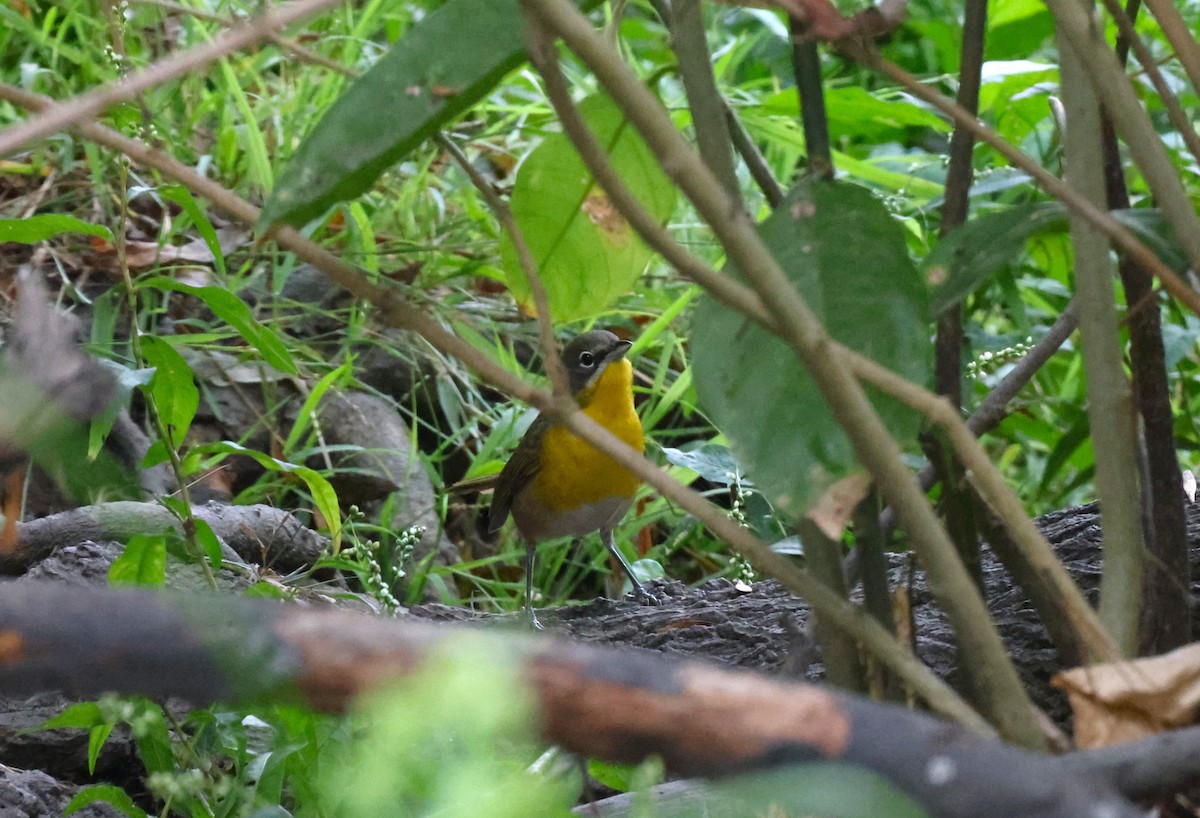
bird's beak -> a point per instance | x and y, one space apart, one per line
617 351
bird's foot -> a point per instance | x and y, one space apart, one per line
532 620
645 596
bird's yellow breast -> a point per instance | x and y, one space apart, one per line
573 473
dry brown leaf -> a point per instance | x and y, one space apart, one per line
142 254
1126 701
832 511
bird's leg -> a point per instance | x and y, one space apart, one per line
530 553
638 589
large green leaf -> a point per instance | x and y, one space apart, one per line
846 255
1017 28
587 253
438 70
855 113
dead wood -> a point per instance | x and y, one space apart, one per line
618 704
257 534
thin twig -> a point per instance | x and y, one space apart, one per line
1179 118
1112 86
957 507
1165 623
994 408
760 172
1101 219
553 363
1180 36
810 94
1110 402
284 43
997 493
86 106
730 291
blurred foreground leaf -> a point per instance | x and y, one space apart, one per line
454 740
819 790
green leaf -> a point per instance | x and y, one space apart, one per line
39 228
712 461
31 421
108 794
828 789
855 113
586 253
181 196
322 493
972 253
444 65
85 715
614 776
149 728
1017 28
1152 227
847 256
977 250
144 562
96 738
127 381
453 739
305 415
172 388
233 311
209 542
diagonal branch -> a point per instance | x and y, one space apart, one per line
1002 695
89 105
1100 218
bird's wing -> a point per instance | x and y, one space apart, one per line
518 471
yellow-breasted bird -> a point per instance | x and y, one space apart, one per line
558 485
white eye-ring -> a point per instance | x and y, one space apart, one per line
587 359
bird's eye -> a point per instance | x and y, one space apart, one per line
587 359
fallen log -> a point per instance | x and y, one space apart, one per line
617 704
